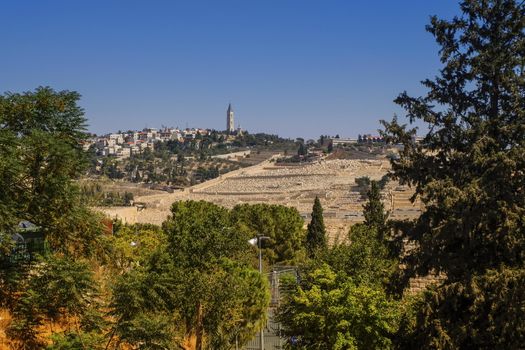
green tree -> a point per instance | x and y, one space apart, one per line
201 241
468 172
161 305
302 150
369 255
367 258
201 278
40 159
328 310
11 172
41 155
363 183
283 225
316 233
133 244
374 210
239 302
359 270
143 300
148 331
199 235
76 340
128 198
494 302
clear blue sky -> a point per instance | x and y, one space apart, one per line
292 67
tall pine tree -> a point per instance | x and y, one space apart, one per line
469 172
316 234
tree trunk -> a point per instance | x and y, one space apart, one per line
198 328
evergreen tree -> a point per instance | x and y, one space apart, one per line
302 151
374 210
468 171
316 233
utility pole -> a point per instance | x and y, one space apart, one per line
259 243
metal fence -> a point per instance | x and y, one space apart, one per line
272 336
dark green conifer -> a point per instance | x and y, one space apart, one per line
374 210
316 233
302 151
469 173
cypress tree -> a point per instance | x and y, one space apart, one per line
316 233
374 210
302 151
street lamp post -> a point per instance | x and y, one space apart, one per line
259 240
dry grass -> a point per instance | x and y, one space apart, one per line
5 319
44 331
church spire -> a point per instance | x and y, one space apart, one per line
230 123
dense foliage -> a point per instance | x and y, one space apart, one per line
340 300
494 305
60 290
40 134
283 225
468 171
201 278
330 311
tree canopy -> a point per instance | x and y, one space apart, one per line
328 310
202 278
468 169
340 300
41 154
468 172
283 225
